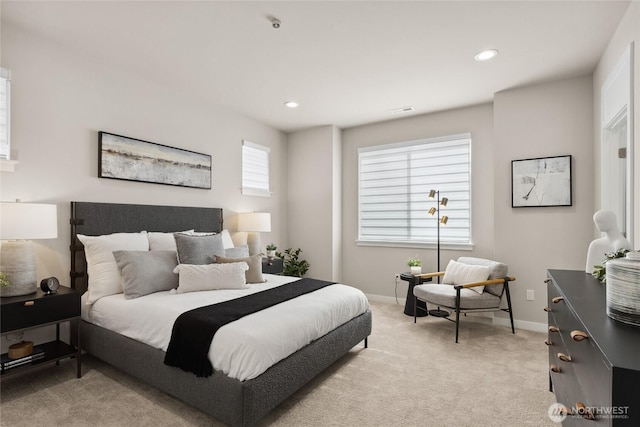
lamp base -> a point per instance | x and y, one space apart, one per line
18 263
254 243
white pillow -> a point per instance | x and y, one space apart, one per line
163 241
104 276
458 273
208 277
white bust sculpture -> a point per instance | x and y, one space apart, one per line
611 241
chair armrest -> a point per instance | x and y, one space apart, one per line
486 282
428 275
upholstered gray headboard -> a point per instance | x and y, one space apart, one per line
94 219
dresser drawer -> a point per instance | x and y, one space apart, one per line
38 309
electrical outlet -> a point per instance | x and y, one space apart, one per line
397 276
530 295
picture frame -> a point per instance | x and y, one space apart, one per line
130 159
541 182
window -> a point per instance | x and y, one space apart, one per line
393 193
5 109
255 169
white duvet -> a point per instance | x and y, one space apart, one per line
242 349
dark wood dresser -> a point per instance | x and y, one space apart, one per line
594 360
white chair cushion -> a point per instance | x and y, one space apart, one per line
458 273
498 271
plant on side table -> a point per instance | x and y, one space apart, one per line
292 264
415 265
271 250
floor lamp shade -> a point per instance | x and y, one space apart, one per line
254 223
19 224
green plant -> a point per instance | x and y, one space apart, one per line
600 270
414 262
292 265
271 247
4 280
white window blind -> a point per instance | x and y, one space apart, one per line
5 109
255 169
394 184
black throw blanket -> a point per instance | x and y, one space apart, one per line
193 330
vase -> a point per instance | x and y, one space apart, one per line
416 270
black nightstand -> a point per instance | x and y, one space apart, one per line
272 266
39 309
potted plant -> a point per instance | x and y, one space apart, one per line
292 265
271 250
600 270
4 282
415 265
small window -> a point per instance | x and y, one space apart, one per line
255 169
5 116
394 181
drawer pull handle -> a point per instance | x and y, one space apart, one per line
579 335
584 411
554 329
548 342
564 357
29 303
555 368
547 280
547 309
557 299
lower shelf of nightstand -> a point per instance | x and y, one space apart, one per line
53 352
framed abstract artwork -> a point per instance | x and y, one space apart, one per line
120 157
541 182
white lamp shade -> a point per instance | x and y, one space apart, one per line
27 221
257 222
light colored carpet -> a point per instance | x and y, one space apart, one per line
411 374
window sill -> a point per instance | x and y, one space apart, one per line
8 165
419 245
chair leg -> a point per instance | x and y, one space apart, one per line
415 308
506 289
457 313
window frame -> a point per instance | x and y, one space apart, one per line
418 243
5 148
263 152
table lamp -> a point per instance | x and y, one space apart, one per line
254 223
19 223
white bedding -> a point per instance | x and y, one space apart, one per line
242 349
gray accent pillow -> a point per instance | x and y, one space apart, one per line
237 252
198 249
254 273
145 272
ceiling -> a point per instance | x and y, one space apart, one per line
346 62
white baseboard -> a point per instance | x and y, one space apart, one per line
501 321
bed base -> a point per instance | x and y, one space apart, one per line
234 402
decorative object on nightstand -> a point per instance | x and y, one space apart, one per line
271 250
435 194
24 312
19 223
254 223
415 265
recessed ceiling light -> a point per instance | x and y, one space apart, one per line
291 104
485 55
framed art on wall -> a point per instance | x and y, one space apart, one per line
541 182
120 157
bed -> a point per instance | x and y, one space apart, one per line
234 401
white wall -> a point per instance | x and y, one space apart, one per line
313 204
628 31
61 99
544 120
373 269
